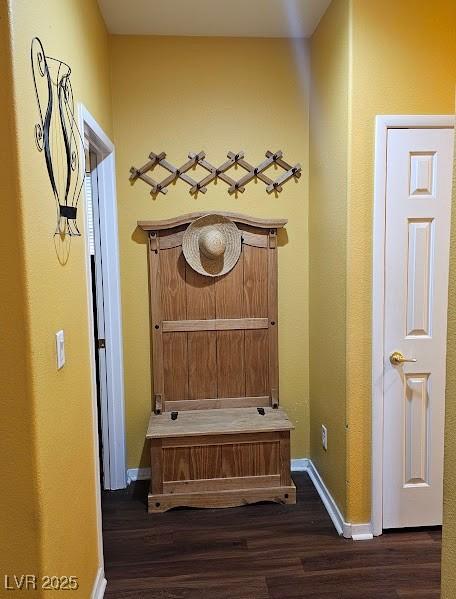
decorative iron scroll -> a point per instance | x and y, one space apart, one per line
57 135
252 172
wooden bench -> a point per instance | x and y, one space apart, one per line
217 435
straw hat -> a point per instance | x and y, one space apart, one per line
212 245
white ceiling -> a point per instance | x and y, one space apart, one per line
231 18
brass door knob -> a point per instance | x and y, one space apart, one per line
397 358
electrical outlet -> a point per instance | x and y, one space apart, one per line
324 437
60 347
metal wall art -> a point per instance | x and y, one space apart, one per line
252 172
57 135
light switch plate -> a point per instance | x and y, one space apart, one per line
60 347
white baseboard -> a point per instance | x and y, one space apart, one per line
300 465
361 532
326 498
137 474
357 532
99 585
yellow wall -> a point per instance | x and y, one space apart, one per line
403 62
216 95
327 239
56 419
18 496
187 94
449 512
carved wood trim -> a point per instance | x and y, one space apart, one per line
262 223
172 240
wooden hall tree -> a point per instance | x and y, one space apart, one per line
218 437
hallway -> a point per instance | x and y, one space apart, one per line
258 552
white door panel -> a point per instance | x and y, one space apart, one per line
418 208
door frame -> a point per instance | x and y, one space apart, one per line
382 124
113 431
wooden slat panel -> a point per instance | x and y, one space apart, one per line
202 348
228 292
220 484
205 461
224 324
230 345
285 476
256 345
155 319
156 462
217 404
202 366
173 289
171 241
255 282
250 459
236 460
200 295
254 239
176 463
254 236
175 364
230 364
170 238
174 307
273 316
265 458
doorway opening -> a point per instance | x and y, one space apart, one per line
92 201
103 278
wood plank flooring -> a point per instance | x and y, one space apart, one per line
258 552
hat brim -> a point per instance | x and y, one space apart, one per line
195 257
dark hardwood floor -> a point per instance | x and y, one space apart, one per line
263 551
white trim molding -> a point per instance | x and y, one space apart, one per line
357 532
300 465
134 474
99 586
113 426
382 124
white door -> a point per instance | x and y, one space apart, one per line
418 207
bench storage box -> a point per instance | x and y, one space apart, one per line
220 458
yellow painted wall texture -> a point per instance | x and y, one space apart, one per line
216 95
187 94
18 495
327 244
449 510
56 418
401 61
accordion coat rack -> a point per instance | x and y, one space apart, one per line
220 172
217 435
